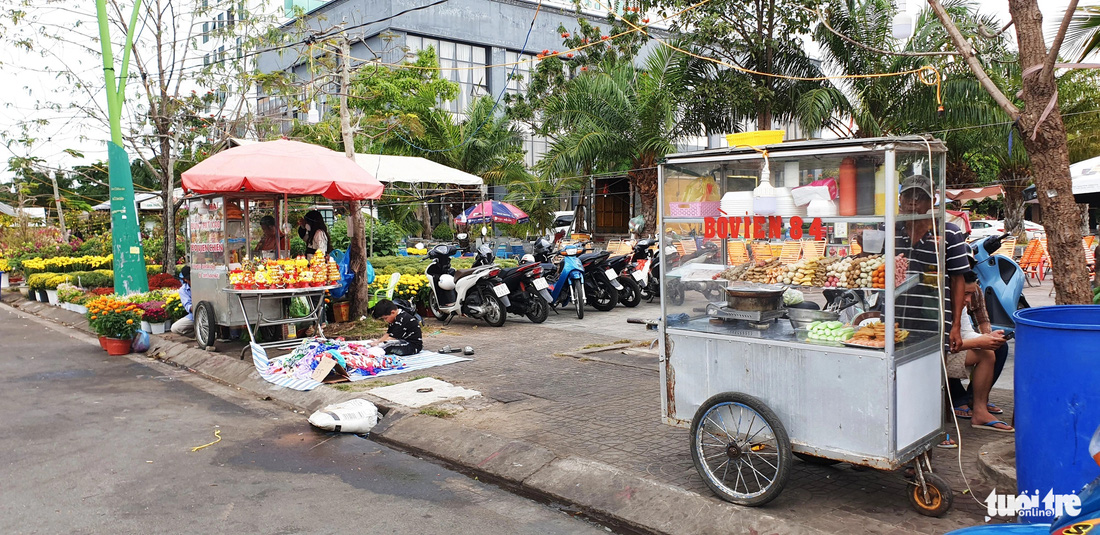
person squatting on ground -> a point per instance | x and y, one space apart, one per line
403 337
975 355
185 326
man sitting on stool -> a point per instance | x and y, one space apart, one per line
403 337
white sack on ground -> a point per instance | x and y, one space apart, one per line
353 416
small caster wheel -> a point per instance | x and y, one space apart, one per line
940 496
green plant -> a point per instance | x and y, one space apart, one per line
114 319
54 280
383 238
437 412
443 232
67 293
37 281
297 246
338 234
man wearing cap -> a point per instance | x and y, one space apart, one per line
919 309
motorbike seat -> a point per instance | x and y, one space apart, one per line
460 273
585 258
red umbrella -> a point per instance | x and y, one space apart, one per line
492 211
283 166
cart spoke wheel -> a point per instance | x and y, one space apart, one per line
740 449
205 326
940 496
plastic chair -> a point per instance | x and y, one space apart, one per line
378 294
1008 247
813 249
792 250
761 251
736 252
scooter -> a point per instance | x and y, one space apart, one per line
631 294
567 278
528 290
475 293
601 283
652 288
1086 520
1002 282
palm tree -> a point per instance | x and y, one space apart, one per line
1084 31
619 118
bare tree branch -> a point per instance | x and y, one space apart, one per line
972 60
1052 56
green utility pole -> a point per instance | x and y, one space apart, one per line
129 261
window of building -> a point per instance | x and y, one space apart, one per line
205 32
460 63
519 75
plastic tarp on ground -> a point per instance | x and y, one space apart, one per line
414 170
283 166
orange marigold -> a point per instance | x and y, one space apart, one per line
129 322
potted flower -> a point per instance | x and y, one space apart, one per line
116 322
4 269
37 284
154 318
67 294
174 307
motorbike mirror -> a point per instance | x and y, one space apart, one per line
461 236
484 231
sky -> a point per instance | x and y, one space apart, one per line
27 87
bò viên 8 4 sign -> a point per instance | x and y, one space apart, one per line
759 228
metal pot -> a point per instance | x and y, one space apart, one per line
754 298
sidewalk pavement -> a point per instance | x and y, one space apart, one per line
565 420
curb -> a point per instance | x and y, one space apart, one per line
600 491
997 461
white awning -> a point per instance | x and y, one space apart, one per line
1086 176
414 170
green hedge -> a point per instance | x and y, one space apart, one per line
415 264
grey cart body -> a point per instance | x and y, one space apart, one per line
754 390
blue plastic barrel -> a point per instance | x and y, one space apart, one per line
1057 398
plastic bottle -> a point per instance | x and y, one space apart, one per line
847 187
880 190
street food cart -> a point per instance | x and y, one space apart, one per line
758 383
229 194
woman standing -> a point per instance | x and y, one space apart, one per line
312 230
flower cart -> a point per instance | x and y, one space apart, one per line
234 281
750 376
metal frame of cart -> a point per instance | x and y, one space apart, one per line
752 398
215 234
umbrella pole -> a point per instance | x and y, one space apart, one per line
372 221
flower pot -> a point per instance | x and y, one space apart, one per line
51 297
64 306
154 328
103 342
4 282
117 346
79 309
25 292
43 296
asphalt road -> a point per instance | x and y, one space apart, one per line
98 444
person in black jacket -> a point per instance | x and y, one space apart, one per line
403 337
313 231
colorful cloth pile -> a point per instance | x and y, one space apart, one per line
355 358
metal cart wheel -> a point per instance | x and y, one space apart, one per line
206 327
740 449
815 460
938 499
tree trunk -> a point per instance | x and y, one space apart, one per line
644 181
1049 159
1014 207
167 184
358 289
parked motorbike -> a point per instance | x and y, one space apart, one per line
528 291
476 292
631 293
652 267
566 278
1002 282
601 283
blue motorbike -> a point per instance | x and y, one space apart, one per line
567 277
1085 518
1002 282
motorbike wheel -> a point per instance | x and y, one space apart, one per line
538 309
631 293
604 295
578 297
675 291
492 310
433 305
